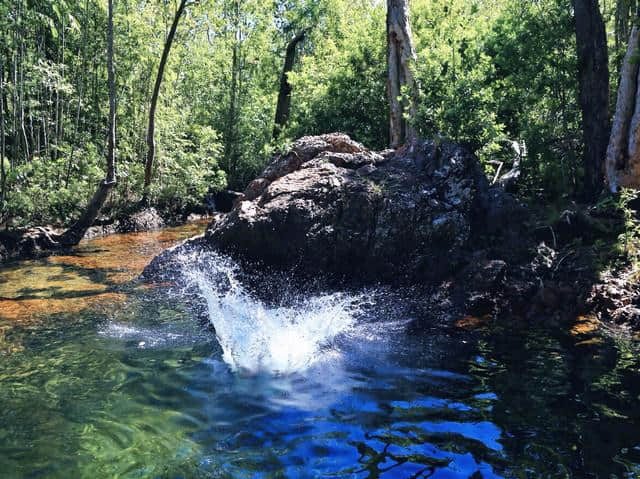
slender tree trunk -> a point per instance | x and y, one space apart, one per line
284 95
617 151
622 10
111 78
230 153
74 234
57 115
3 173
15 140
593 77
21 91
81 81
231 115
400 56
151 144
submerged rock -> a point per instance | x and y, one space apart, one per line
330 205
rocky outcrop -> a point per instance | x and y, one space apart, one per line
330 205
223 201
423 216
147 219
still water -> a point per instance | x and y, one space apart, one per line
103 378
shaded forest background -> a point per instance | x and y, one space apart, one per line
497 75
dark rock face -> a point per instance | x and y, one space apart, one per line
423 216
223 201
166 267
331 205
482 283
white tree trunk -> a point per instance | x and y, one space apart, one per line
400 56
626 124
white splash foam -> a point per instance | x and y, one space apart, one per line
254 336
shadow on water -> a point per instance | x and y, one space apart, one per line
137 388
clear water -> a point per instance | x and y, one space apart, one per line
127 383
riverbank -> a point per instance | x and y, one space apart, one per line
35 242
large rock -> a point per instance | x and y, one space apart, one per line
147 219
330 205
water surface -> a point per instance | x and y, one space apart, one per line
102 378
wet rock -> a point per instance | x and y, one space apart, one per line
195 217
101 230
167 266
616 298
223 201
503 211
147 219
628 314
483 284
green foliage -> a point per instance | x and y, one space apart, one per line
622 248
458 98
189 169
533 49
490 73
341 86
37 192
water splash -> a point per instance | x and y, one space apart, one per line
255 336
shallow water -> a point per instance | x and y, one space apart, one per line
99 378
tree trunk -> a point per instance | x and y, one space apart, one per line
15 140
231 127
617 150
151 144
74 234
400 56
593 76
80 89
111 77
284 95
3 173
622 10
